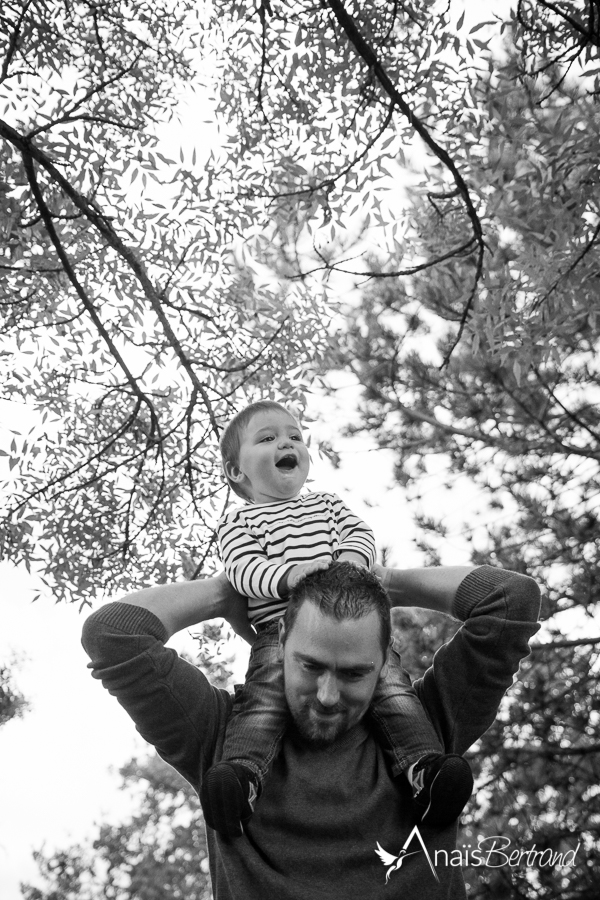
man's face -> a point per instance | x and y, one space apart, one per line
273 462
331 669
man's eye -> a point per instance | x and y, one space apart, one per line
311 667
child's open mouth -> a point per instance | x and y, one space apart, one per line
287 463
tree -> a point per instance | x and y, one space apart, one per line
147 297
130 323
159 853
12 702
538 772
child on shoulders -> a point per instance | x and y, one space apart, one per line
267 546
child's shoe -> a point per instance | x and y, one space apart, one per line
228 794
441 787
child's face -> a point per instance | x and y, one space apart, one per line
273 462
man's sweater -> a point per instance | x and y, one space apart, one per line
324 812
260 543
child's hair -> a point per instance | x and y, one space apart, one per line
231 438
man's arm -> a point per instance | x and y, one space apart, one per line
187 603
462 690
170 701
434 588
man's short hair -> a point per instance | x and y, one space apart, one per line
231 438
342 591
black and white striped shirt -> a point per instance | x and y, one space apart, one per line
260 543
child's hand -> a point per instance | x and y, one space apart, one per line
353 557
301 570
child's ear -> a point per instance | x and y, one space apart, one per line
234 473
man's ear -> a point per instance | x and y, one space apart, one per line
281 631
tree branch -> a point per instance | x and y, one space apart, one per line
96 89
575 25
263 9
106 229
552 645
564 447
61 479
421 267
571 268
81 293
370 57
547 750
12 45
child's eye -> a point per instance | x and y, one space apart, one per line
269 437
297 437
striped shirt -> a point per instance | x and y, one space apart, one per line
260 543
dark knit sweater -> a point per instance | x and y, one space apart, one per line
323 812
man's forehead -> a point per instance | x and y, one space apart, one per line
340 642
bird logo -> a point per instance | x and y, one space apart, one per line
395 862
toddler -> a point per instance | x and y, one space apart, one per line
267 546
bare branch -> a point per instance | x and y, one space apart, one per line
456 251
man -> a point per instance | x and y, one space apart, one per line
330 813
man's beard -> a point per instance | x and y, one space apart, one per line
317 731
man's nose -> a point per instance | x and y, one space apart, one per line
328 693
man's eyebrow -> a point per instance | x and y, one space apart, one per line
358 667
